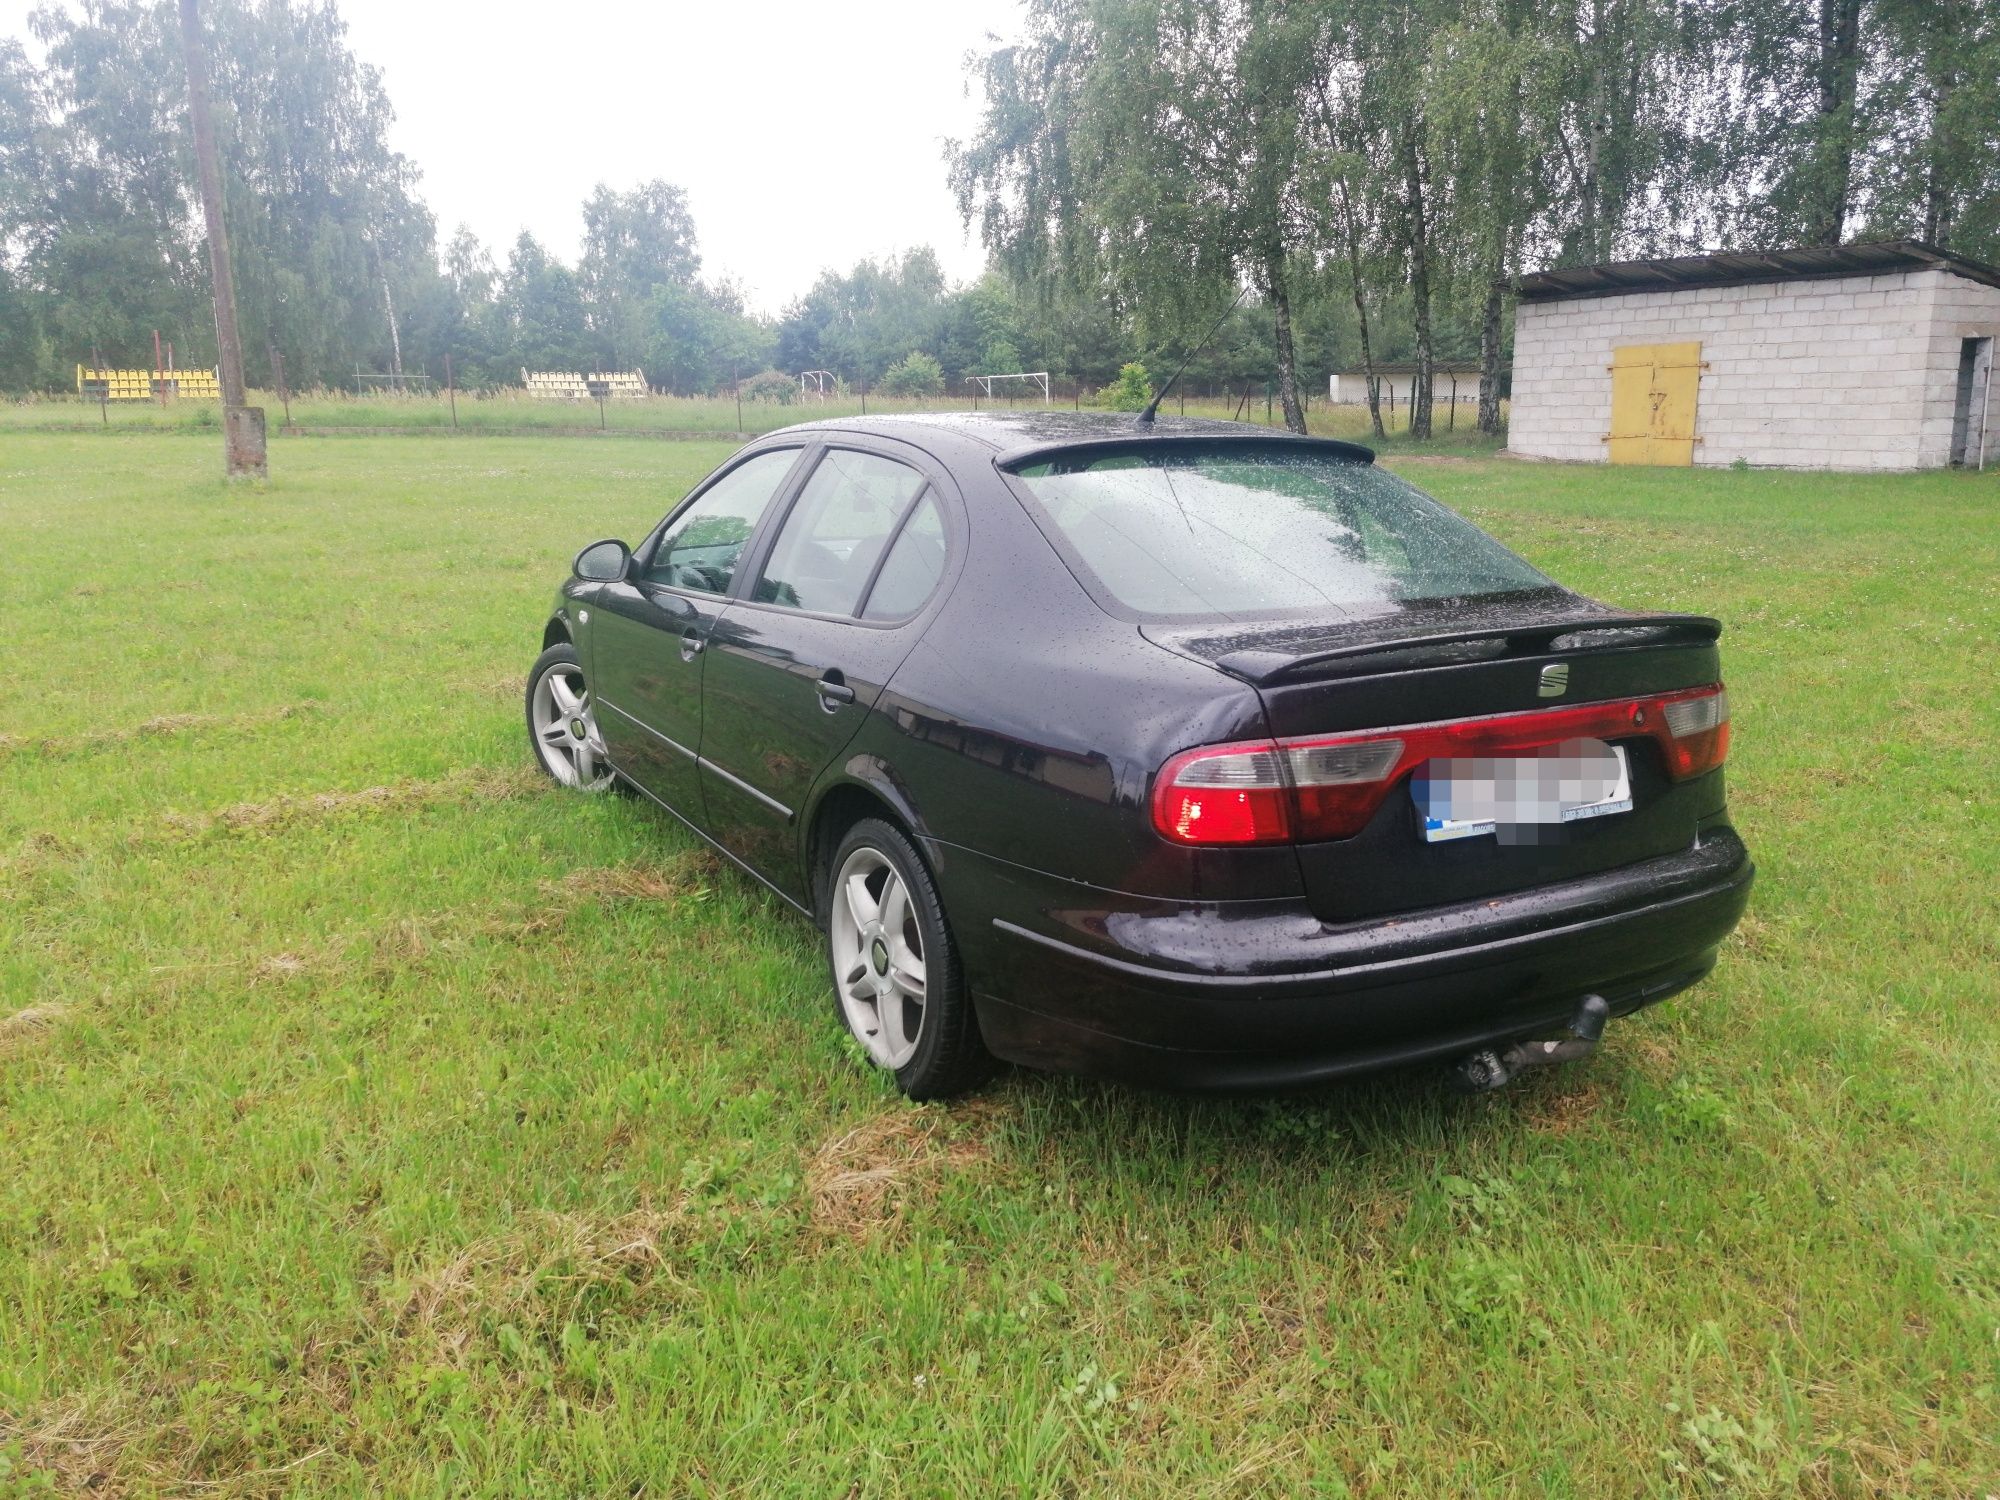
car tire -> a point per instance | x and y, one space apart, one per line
887 943
562 726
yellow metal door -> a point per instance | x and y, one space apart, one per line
1653 391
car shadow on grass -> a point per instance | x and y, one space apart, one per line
1406 1117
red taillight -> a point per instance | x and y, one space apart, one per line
1697 737
1329 786
1226 794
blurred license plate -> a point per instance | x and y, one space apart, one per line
1578 779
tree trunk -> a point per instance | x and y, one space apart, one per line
1368 366
1353 236
1937 192
1420 284
1281 311
1590 207
1489 352
228 348
395 337
243 449
1839 63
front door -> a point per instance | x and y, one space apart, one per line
794 668
649 632
1969 411
1653 393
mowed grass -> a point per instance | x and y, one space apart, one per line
376 1119
513 412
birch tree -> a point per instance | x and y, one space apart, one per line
1160 145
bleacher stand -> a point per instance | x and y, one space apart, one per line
99 383
568 385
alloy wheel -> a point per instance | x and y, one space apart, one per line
878 957
565 729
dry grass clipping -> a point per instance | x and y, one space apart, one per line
550 1259
481 785
1562 1107
666 881
70 1443
160 726
28 1023
862 1182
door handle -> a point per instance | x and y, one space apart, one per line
692 640
833 691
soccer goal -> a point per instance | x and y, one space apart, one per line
1033 377
819 383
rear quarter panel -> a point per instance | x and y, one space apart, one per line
1027 725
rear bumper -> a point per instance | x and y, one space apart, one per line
1258 995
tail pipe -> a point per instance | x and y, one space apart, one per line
1483 1072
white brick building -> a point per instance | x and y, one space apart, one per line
1450 380
1870 356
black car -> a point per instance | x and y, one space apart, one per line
1190 752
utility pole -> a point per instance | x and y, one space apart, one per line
242 426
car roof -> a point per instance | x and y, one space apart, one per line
1017 436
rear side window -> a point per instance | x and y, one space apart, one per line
1247 535
834 536
914 566
701 548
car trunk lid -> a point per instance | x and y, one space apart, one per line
1455 660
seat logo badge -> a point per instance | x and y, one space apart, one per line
1555 680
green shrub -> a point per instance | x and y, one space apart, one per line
1130 391
771 385
915 374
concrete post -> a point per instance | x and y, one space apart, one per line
243 426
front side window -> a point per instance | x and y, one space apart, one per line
1248 534
701 548
830 543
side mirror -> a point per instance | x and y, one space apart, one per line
603 562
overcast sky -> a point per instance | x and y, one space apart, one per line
807 133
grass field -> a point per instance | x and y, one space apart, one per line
658 416
375 1119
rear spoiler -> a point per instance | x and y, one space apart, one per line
1074 452
1265 664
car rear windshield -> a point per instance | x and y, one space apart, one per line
1238 534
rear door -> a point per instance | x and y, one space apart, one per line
794 667
649 633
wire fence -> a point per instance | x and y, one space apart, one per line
510 411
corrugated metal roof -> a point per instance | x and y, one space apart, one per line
1740 267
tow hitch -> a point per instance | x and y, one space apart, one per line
1482 1072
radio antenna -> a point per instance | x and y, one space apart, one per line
1153 407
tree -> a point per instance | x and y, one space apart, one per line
858 323
639 240
1130 391
915 374
1785 114
328 233
1161 147
639 264
1382 101
541 308
331 241
1931 165
1495 78
107 228
21 358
